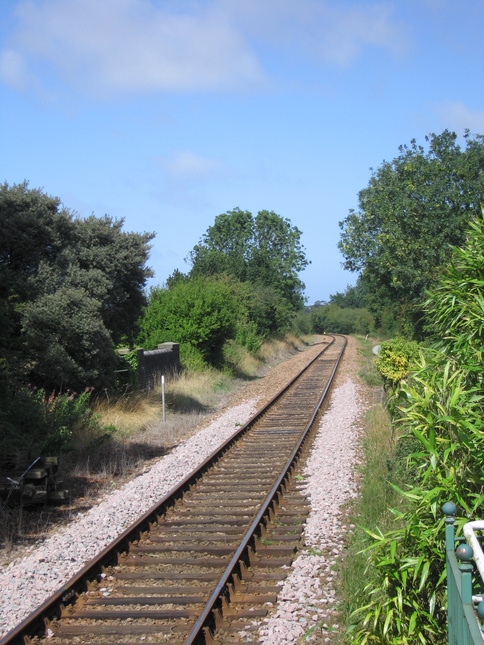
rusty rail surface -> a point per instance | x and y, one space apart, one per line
204 564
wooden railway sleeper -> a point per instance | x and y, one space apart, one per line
243 597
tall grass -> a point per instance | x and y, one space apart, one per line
370 510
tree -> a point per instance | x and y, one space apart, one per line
265 250
32 229
200 314
278 257
226 247
414 209
70 289
110 265
331 318
267 308
68 343
353 296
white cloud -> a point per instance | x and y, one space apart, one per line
187 166
357 28
107 47
330 31
134 45
458 117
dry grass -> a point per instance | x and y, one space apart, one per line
188 397
134 421
198 392
249 365
130 413
276 351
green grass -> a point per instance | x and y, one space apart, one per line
367 371
369 511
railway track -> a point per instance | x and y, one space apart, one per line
206 564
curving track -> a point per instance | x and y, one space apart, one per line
207 562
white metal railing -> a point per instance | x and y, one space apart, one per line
464 623
473 541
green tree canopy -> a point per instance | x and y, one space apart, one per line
265 250
70 289
331 318
68 343
200 314
226 247
353 296
410 214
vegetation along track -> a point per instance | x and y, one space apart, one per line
203 564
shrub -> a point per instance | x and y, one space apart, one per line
335 319
48 423
443 419
201 312
248 336
191 358
302 324
395 359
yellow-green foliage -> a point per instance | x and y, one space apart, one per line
395 360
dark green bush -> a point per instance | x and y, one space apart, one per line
201 313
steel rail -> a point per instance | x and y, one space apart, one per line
196 636
51 608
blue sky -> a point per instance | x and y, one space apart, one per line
169 112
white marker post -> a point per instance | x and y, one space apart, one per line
163 397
